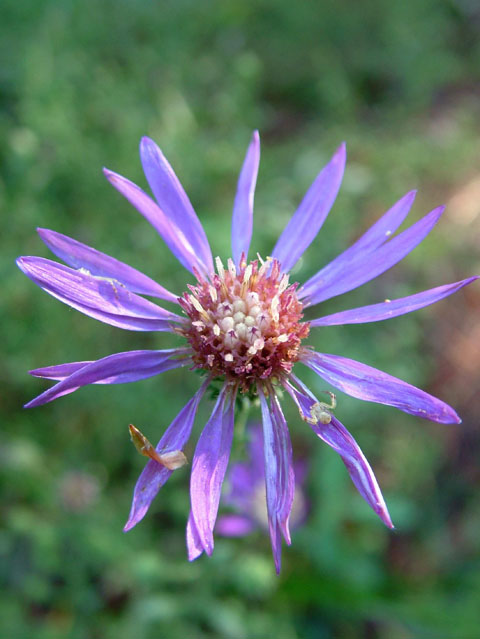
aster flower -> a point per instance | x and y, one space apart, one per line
245 494
242 323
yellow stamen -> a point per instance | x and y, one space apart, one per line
220 268
213 293
246 278
197 306
283 284
231 267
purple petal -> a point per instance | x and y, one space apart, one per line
391 308
194 545
363 269
382 230
270 480
286 476
304 399
78 255
173 237
174 202
337 436
102 299
234 526
376 235
120 368
370 384
209 466
242 220
154 475
279 477
60 371
310 215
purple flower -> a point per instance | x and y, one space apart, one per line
243 324
245 494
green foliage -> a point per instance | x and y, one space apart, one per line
81 82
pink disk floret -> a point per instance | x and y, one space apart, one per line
246 323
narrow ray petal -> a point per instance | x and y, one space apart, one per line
374 237
370 384
120 368
78 255
337 437
270 481
194 545
366 267
242 219
279 478
391 308
310 215
286 477
154 475
173 200
173 237
209 466
60 371
383 228
103 299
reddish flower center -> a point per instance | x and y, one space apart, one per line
245 325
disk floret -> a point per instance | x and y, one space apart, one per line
245 323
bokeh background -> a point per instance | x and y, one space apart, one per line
80 83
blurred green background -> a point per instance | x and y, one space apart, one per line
80 83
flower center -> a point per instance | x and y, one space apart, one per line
244 325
